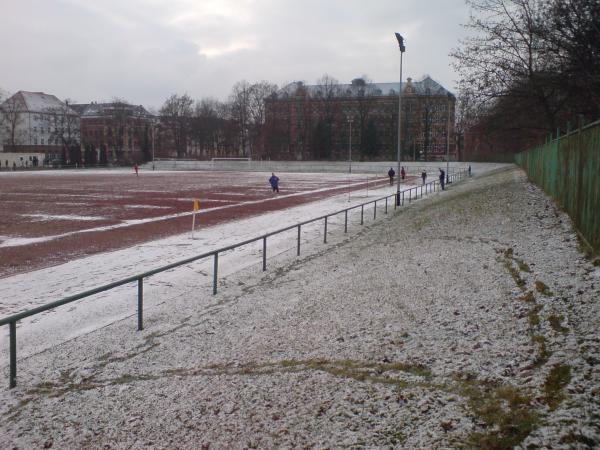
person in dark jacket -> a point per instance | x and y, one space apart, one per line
442 179
391 174
274 180
424 176
402 173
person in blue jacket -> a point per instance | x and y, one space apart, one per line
274 180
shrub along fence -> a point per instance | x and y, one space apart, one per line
568 168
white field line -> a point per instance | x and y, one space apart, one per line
15 242
193 280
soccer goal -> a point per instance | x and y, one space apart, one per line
230 159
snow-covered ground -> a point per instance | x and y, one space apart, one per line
468 318
35 288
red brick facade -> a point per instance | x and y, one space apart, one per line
115 133
301 124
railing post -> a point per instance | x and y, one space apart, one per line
264 253
13 354
375 210
402 198
346 221
298 251
325 232
362 211
140 304
215 272
386 205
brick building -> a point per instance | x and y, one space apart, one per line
115 133
313 122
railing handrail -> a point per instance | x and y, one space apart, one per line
12 319
149 273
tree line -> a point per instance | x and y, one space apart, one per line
215 126
527 69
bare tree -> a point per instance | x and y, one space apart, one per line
327 94
176 118
117 113
571 30
11 113
239 103
504 55
536 62
64 126
258 93
207 126
364 93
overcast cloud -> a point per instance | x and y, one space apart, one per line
146 50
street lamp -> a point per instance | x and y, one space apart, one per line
154 125
448 142
350 120
402 50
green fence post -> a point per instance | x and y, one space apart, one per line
13 354
140 304
215 272
264 253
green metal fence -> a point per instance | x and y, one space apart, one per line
568 168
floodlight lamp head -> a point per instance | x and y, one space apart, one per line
400 42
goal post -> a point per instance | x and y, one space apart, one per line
230 159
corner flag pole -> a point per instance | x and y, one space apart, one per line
196 208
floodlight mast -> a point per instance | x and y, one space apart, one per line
402 50
448 141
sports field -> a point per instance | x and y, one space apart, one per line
52 217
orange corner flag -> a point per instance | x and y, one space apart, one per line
196 206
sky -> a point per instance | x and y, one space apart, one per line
146 50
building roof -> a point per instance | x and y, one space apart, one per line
38 102
94 109
426 86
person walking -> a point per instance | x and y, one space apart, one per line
442 179
402 173
424 176
274 180
391 174
469 169
135 167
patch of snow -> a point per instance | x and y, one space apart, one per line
48 217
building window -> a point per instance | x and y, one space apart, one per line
35 129
35 140
42 141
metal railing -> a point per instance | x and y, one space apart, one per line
411 194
